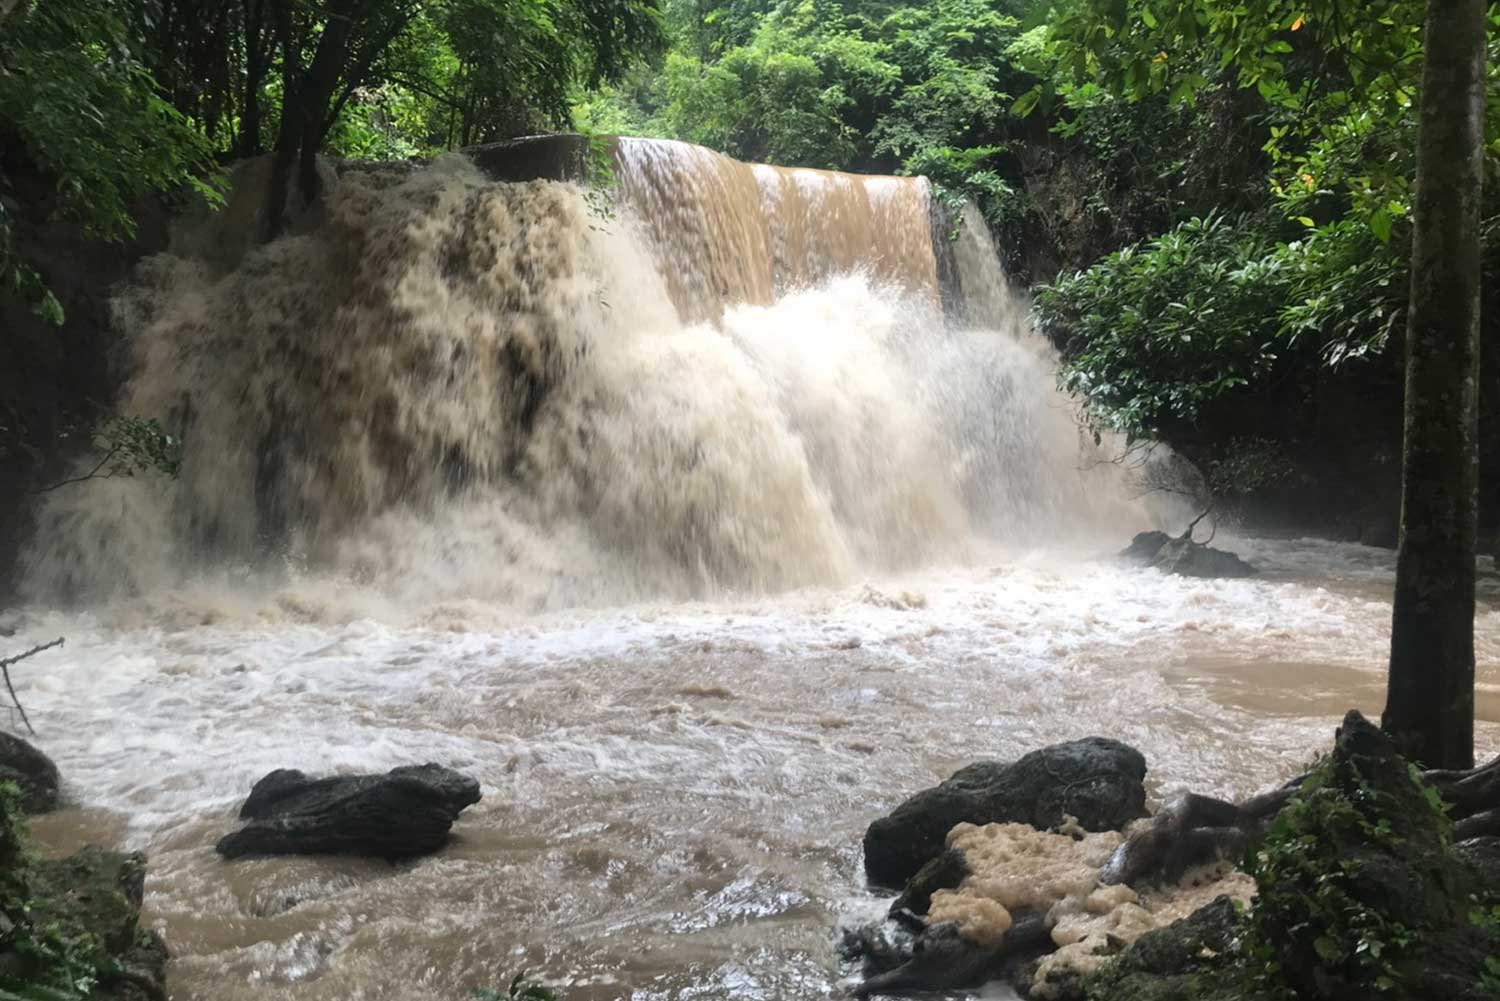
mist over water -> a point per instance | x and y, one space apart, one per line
739 379
696 532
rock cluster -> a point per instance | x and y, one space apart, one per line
1353 858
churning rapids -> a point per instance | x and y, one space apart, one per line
701 530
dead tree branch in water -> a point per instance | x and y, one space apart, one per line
5 666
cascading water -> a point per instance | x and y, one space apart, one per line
432 436
740 380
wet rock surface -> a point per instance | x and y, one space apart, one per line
1096 781
32 771
1184 557
1176 962
1144 547
1353 853
406 812
88 905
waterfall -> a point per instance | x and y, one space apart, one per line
734 378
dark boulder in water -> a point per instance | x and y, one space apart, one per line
1187 558
31 770
1144 547
1183 556
1096 781
406 812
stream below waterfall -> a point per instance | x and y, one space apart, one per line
674 794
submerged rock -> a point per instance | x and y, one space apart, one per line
942 958
1144 547
1187 558
1096 781
945 872
1183 556
408 811
31 770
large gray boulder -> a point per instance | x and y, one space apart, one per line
1097 781
406 812
31 770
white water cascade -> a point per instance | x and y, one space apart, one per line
737 380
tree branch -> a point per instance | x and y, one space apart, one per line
5 665
86 476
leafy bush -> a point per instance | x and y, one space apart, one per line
1318 868
1155 332
47 957
85 110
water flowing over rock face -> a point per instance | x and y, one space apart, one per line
406 812
1096 781
740 378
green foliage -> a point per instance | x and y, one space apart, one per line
909 88
1322 876
1336 82
49 957
133 445
82 108
1154 333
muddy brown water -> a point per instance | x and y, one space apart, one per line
673 794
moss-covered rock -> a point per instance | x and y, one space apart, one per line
32 772
1190 960
70 928
1360 894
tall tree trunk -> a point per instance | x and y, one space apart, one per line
1430 700
304 107
257 61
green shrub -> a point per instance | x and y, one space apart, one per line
44 955
1154 333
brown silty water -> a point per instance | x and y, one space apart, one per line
693 529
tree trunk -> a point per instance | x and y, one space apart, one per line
303 109
1430 700
257 62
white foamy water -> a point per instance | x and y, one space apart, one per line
674 794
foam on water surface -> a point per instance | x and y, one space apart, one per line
674 793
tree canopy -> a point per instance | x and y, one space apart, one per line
106 100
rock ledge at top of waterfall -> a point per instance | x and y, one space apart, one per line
406 812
